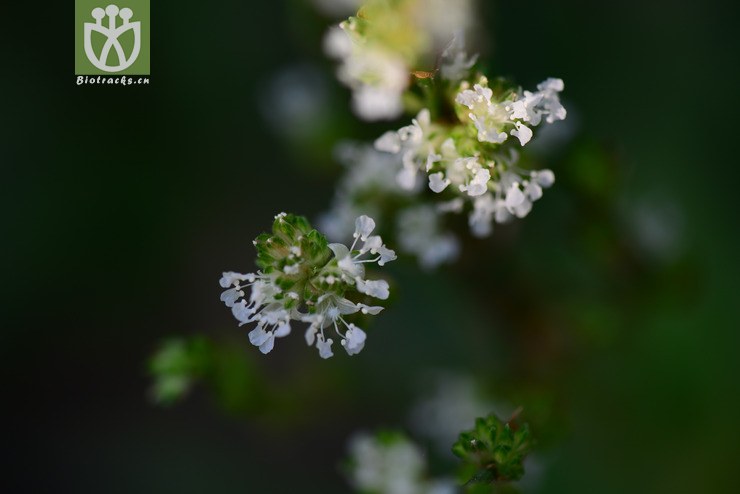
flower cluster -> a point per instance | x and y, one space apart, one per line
472 158
380 47
389 463
304 278
369 187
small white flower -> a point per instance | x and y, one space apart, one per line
374 288
419 233
412 143
337 43
230 296
452 206
368 309
522 132
479 185
231 278
364 226
545 178
324 346
438 182
355 340
480 219
455 62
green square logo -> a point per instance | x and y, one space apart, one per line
112 39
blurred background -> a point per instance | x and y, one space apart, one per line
610 314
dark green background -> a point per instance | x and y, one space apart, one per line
122 205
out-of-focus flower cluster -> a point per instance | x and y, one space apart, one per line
451 405
369 187
302 277
385 42
389 463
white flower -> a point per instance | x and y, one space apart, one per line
480 219
355 340
522 132
521 193
376 103
329 312
551 101
414 146
231 278
370 309
395 468
324 346
455 62
491 118
419 233
437 182
319 289
393 465
378 77
479 184
230 296
442 18
364 226
374 288
545 178
448 406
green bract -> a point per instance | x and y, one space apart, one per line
493 451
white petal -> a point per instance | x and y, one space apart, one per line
355 341
266 347
545 178
514 197
324 346
345 306
388 142
372 244
311 334
432 158
258 336
364 226
337 43
552 84
340 250
438 182
242 312
522 132
230 296
282 330
453 206
231 278
406 178
523 209
533 191
386 255
370 309
374 288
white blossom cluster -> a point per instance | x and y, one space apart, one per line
305 279
391 464
450 406
378 49
369 187
470 159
